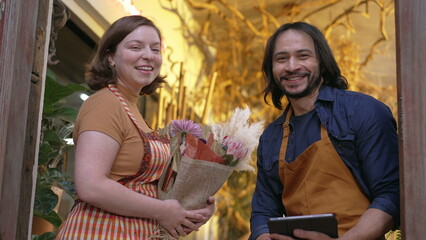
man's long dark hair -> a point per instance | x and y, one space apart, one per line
329 69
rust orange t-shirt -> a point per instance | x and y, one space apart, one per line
103 112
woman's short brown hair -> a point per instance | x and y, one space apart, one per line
99 73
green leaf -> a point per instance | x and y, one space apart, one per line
57 178
47 107
233 163
228 159
43 185
42 158
66 114
45 147
55 92
44 202
53 218
68 187
50 85
43 154
52 138
77 87
56 175
52 155
44 236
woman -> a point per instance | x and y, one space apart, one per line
119 158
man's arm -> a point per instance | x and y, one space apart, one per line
381 221
266 201
377 151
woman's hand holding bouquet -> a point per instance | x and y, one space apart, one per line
203 158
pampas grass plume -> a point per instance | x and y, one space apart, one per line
239 128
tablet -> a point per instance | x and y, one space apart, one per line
325 223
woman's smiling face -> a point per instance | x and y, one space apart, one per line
138 59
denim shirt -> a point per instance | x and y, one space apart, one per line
363 132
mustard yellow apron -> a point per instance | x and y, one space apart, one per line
318 181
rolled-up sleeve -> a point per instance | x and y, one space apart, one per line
377 148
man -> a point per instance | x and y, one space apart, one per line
332 150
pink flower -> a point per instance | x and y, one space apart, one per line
185 126
234 148
240 153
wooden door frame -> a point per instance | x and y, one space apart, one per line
24 42
411 72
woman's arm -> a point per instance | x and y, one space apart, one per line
95 154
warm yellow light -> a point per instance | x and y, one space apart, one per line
130 7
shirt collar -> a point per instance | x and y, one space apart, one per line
325 94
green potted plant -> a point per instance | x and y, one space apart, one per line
57 124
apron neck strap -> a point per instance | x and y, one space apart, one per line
125 106
286 124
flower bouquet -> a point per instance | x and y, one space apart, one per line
203 158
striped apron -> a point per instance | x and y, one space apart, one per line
88 222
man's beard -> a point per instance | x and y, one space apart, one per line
312 86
